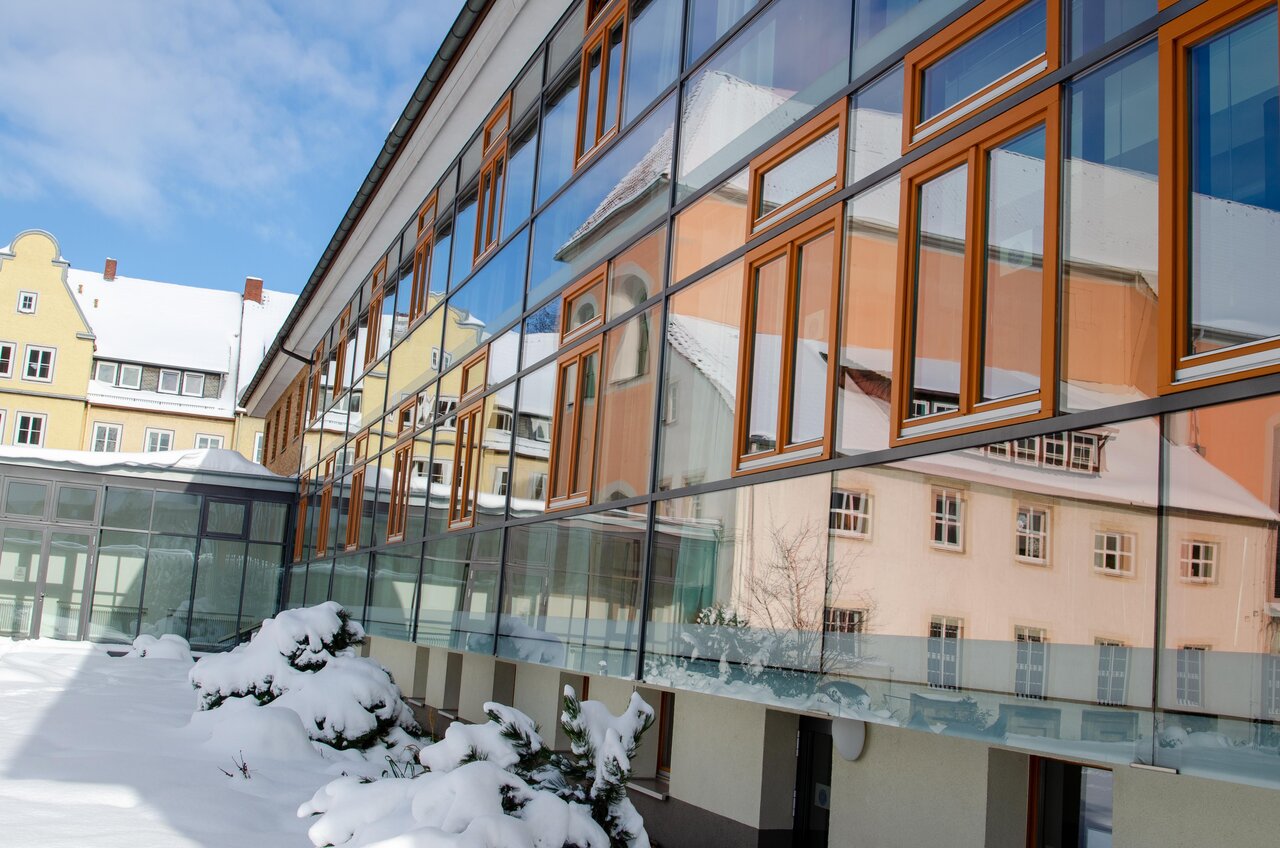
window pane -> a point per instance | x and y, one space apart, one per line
1235 186
589 392
987 57
176 512
533 440
395 580
710 19
809 171
759 84
215 614
611 88
1110 205
585 307
464 239
225 517
883 26
490 301
519 191
1095 22
26 499
559 123
635 275
459 593
1014 267
565 442
19 578
117 588
350 577
76 504
626 416
590 101
653 52
939 292
261 584
875 125
812 339
128 508
770 291
167 593
711 227
64 585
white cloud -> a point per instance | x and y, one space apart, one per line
143 108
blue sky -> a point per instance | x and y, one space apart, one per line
201 142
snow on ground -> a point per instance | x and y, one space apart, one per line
102 751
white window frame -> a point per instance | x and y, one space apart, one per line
214 442
1271 684
26 363
1190 675
942 666
669 406
1084 453
501 417
538 486
850 514
1032 533
850 624
435 359
1026 451
1055 450
442 469
1031 661
501 480
1113 671
31 416
147 435
133 384
100 366
258 439
176 376
1121 556
942 519
4 416
35 300
103 428
191 376
13 358
1198 562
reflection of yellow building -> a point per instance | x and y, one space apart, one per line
98 362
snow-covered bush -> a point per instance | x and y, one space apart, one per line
497 785
168 647
303 660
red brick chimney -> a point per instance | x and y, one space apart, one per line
109 272
253 289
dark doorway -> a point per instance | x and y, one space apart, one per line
813 783
1070 805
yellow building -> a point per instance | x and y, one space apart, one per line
90 360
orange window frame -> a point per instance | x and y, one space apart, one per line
495 128
317 380
971 150
786 245
422 259
598 39
322 522
977 20
355 508
466 467
597 278
340 355
574 497
837 118
1179 370
492 191
398 508
374 325
300 528
473 376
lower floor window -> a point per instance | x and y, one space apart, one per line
157 440
1190 675
1113 669
1030 662
30 429
943 660
204 441
106 438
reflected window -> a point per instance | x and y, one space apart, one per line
398 508
1031 535
1198 561
799 171
1113 552
466 468
324 520
1030 660
493 178
573 448
943 652
850 513
1190 675
1113 671
653 52
882 27
948 520
600 94
582 307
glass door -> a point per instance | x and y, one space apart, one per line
63 575
20 549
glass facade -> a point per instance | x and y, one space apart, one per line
1031 496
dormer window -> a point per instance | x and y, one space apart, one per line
27 302
193 384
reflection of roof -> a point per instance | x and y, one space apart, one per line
652 172
159 463
721 107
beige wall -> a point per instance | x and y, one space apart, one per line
1158 810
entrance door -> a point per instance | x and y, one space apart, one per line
20 549
64 573
813 784
1070 805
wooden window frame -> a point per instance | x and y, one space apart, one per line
422 248
598 277
300 523
322 521
466 391
373 326
971 149
581 497
598 37
340 355
465 475
398 507
355 509
492 133
316 381
837 118
490 198
973 23
784 453
1180 371
595 8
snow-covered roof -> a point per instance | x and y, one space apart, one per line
182 463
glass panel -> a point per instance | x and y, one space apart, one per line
486 304
215 614
297 586
1095 22
700 381
984 59
881 27
759 84
618 197
318 576
585 307
64 587
129 508
939 294
26 499
350 579
565 441
567 39
19 574
464 239
635 275
1014 267
503 352
611 88
166 595
117 587
441 249
419 358
225 517
870 291
261 584
812 330
653 52
590 106
770 287
395 579
176 512
590 406
1235 186
573 592
268 521
519 189
559 123
1110 204
710 227
76 504
533 441
458 605
875 125
808 172
542 333
526 90
627 408
710 19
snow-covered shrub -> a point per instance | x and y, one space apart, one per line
168 647
497 785
303 660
